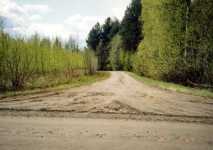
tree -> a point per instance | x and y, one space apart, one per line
94 37
108 30
115 53
160 52
57 43
115 27
199 48
187 19
131 26
45 43
72 44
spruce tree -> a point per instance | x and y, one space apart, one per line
94 37
131 26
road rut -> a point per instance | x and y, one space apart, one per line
120 94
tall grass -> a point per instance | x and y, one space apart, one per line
24 60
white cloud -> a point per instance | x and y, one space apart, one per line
81 25
118 12
36 8
22 17
36 17
27 19
47 29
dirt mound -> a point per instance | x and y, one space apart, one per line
115 107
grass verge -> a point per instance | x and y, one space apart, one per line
173 87
53 85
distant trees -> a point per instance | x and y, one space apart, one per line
128 34
57 43
115 56
72 44
24 61
131 27
99 39
109 30
94 37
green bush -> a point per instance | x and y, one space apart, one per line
162 44
91 62
25 60
115 53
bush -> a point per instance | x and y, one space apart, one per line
24 60
163 42
115 53
90 61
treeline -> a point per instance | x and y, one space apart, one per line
115 42
178 42
22 61
169 40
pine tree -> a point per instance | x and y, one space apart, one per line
131 26
94 37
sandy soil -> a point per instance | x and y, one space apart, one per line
99 134
119 113
121 95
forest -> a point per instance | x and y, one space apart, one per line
169 40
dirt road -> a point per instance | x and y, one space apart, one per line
124 114
100 134
118 96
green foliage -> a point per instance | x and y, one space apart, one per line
178 43
72 44
91 62
99 41
94 37
24 60
164 35
199 58
173 86
115 53
55 83
119 59
57 43
131 27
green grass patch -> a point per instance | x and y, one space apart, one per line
173 87
53 84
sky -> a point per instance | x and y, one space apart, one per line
62 18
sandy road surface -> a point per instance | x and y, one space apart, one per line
59 120
100 134
120 94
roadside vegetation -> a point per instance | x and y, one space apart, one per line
166 40
56 84
173 87
37 62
